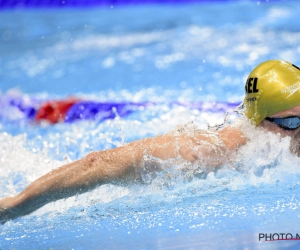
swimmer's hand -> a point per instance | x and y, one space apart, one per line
7 211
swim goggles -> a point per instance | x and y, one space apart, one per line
287 123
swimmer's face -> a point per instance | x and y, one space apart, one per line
294 134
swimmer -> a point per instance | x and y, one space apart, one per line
272 101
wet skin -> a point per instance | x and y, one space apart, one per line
213 148
98 167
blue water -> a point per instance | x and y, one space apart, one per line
200 52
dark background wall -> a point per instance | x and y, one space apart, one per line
4 4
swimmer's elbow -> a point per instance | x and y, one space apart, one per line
105 165
90 159
90 162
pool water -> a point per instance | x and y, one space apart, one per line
156 53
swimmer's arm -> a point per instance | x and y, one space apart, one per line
77 177
100 167
83 175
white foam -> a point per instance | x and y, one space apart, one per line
19 166
264 160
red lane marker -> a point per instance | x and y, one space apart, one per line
55 111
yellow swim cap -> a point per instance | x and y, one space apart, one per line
273 86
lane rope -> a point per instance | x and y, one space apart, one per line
75 109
